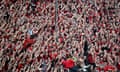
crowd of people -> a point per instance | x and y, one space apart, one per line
75 36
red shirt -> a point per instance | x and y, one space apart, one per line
90 59
108 67
28 41
20 66
69 63
53 56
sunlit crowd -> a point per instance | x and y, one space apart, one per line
59 36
